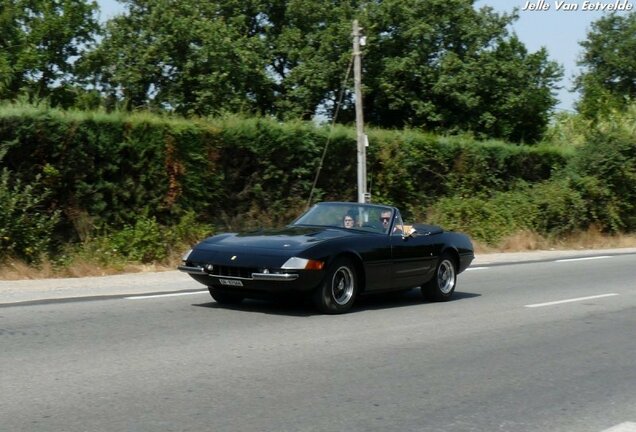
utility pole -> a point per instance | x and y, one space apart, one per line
361 138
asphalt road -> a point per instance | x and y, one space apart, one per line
547 346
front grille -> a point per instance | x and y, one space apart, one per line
226 271
242 272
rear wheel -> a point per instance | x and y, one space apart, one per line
338 290
442 285
224 297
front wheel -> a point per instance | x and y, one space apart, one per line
442 285
224 297
338 290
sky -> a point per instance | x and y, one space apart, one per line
560 31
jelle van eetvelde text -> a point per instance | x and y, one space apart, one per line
586 5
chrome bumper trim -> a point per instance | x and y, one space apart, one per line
192 270
275 276
255 276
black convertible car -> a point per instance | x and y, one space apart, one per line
334 252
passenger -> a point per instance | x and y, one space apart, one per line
348 221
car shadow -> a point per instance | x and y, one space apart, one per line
296 307
302 307
402 299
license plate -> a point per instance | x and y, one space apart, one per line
231 282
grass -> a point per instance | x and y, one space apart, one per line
14 269
525 241
522 241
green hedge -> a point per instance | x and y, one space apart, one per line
550 208
605 166
26 225
110 169
414 170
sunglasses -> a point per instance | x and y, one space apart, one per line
385 219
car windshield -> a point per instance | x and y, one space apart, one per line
364 217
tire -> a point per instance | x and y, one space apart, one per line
338 290
442 285
224 297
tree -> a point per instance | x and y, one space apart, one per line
442 65
425 62
40 41
310 52
281 57
9 40
608 81
185 56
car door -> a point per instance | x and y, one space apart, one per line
377 257
413 257
375 250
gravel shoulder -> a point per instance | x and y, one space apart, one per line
174 281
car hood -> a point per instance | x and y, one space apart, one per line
290 238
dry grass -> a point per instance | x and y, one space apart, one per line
15 269
522 241
18 270
593 238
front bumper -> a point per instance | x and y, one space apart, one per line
255 276
301 280
465 259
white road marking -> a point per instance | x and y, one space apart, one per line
142 297
584 259
570 300
477 268
623 427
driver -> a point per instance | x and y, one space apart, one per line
385 218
